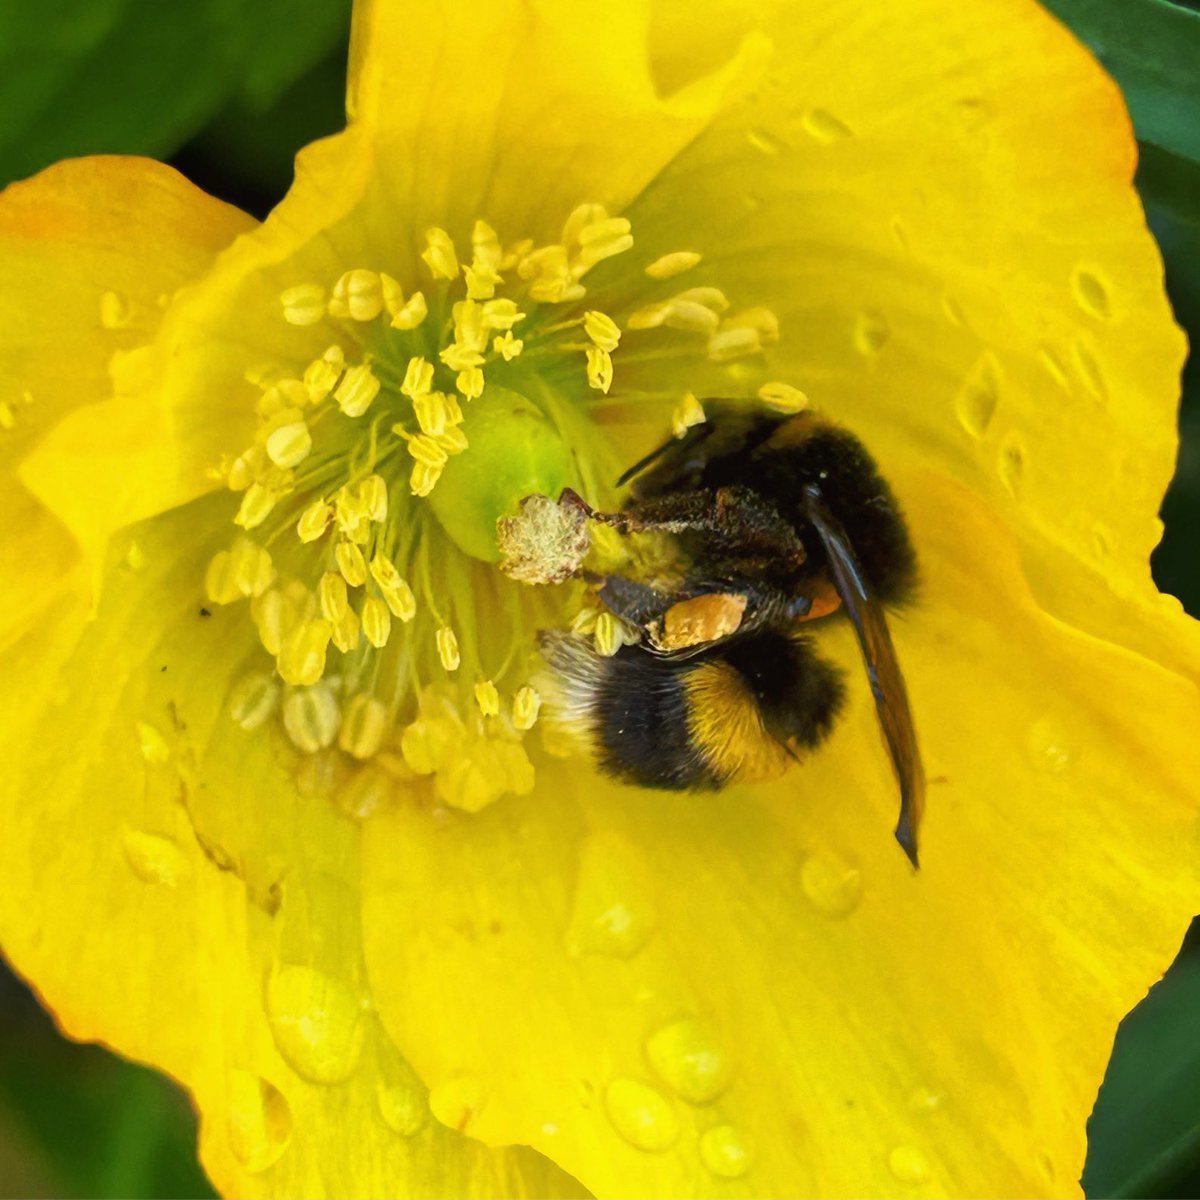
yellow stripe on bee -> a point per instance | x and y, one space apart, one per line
725 726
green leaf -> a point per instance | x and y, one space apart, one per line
143 76
1151 48
1144 1135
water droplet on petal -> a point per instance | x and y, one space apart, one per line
1091 293
613 911
687 1057
871 333
258 1121
316 1022
830 884
1089 371
403 1106
456 1101
641 1115
824 126
908 1164
1048 746
979 395
725 1152
1012 463
154 858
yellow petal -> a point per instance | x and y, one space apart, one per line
182 890
835 998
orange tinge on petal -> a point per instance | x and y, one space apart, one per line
284 813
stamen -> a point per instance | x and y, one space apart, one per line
418 378
311 717
674 263
526 704
376 622
447 648
488 698
602 329
358 294
470 382
358 389
303 304
411 313
782 397
688 412
508 347
439 255
301 658
364 726
351 563
599 369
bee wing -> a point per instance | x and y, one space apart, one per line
678 449
879 655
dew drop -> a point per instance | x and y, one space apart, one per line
975 404
830 884
1091 293
403 1106
613 912
152 744
908 1164
871 333
456 1101
725 1152
1048 746
641 1115
258 1121
766 143
115 310
1012 463
154 858
316 1022
1089 370
824 126
687 1057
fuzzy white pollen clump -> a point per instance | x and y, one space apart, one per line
546 541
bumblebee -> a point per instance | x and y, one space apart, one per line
779 521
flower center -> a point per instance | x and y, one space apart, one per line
379 469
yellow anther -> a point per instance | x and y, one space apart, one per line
255 507
400 599
321 375
283 395
427 451
303 304
602 330
688 412
545 261
501 314
690 316
762 320
301 659
673 264
358 294
447 648
373 497
454 413
384 572
253 700
353 519
332 596
115 311
392 292
246 468
429 742
526 704
452 440
584 621
311 718
358 389
289 445
364 726
411 313
351 563
470 382
782 397
439 255
481 282
423 478
508 347
459 357
430 411
710 297
485 246
580 217
599 369
418 378
314 520
515 253
600 240
611 633
220 583
737 342
487 697
469 327
376 621
346 631
252 568
277 612
649 317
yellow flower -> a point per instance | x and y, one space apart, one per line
277 818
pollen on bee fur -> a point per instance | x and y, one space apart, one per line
382 638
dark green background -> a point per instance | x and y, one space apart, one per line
228 90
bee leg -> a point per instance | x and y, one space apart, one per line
676 513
